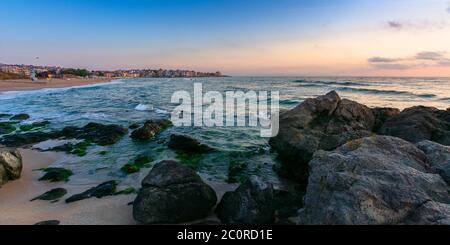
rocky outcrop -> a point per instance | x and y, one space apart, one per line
51 195
322 123
419 123
150 129
375 180
251 203
382 114
171 194
94 132
10 164
438 158
187 144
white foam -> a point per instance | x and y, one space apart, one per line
160 111
14 94
143 107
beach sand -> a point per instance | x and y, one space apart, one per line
20 85
16 208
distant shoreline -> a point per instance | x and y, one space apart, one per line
26 85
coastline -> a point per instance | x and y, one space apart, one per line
27 85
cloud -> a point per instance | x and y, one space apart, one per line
382 60
421 59
416 25
395 25
429 56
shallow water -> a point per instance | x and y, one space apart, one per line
136 100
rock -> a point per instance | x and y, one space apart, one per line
12 162
251 203
25 139
382 115
172 194
56 174
3 175
322 123
51 195
33 126
150 129
187 144
3 115
134 126
372 181
48 222
286 205
102 190
137 164
6 128
438 157
93 132
20 117
97 133
419 123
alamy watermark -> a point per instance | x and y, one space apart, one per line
234 109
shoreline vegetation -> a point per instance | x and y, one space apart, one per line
349 164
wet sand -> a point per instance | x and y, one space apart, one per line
22 85
16 208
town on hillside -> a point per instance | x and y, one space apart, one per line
32 72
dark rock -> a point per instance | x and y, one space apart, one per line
438 158
171 194
251 203
56 174
20 117
97 133
286 205
323 123
6 128
382 115
93 132
187 144
137 164
150 129
134 126
372 181
3 175
24 139
51 195
11 162
418 124
102 190
48 222
33 126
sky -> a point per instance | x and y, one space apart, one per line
237 37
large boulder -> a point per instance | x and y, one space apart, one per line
419 123
10 164
251 203
173 193
150 129
438 158
322 123
374 180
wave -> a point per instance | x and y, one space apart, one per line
15 94
382 91
319 83
161 111
143 107
289 102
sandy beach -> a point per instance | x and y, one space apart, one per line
20 85
16 208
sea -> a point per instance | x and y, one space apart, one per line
128 101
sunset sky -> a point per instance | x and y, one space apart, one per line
237 37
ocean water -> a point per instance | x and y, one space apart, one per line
136 100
